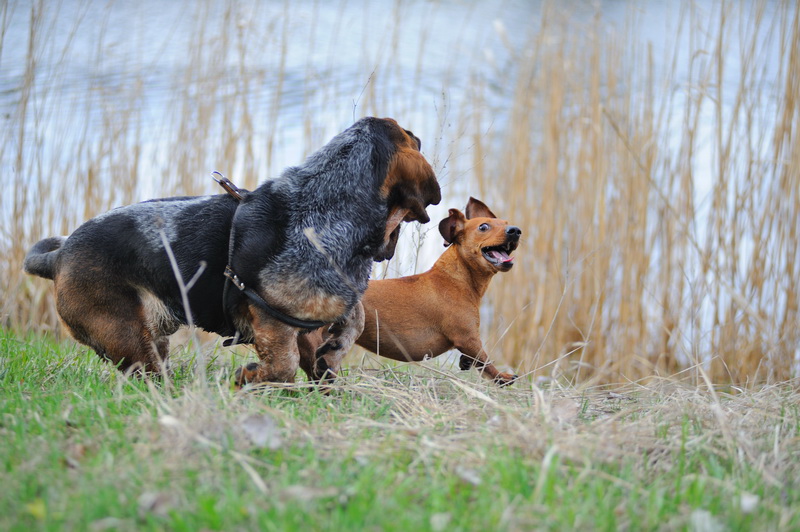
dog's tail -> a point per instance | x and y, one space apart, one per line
41 259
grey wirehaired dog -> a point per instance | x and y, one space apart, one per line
291 255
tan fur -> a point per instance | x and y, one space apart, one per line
121 328
409 170
305 302
157 316
276 346
396 217
325 353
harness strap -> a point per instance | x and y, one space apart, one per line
232 278
272 311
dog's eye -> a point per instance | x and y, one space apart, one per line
483 228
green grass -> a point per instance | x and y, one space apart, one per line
403 448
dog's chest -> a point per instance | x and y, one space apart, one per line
303 299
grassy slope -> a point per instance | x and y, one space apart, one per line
402 449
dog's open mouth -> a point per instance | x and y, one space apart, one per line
500 256
386 251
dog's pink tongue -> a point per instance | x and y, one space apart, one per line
501 256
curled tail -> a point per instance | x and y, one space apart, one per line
41 259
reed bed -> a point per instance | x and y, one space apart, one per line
657 188
660 209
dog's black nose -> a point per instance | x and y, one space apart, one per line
513 230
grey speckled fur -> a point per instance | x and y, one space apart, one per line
334 196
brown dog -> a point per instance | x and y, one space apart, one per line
424 315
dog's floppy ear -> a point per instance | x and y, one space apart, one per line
409 184
451 226
412 184
478 209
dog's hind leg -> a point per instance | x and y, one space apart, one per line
342 335
112 320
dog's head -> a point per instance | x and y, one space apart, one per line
483 240
409 185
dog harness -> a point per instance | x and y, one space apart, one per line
232 278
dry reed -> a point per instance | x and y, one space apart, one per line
628 269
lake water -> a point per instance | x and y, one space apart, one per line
308 66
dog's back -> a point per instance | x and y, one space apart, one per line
117 290
405 319
125 249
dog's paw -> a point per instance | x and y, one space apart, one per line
505 379
323 373
246 374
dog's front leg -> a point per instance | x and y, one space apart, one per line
342 335
473 355
307 344
276 346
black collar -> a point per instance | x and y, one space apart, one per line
272 311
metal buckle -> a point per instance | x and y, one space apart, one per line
234 279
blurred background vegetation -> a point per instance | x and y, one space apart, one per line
650 153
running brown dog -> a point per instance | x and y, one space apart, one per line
292 254
424 315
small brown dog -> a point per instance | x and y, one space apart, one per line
424 315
